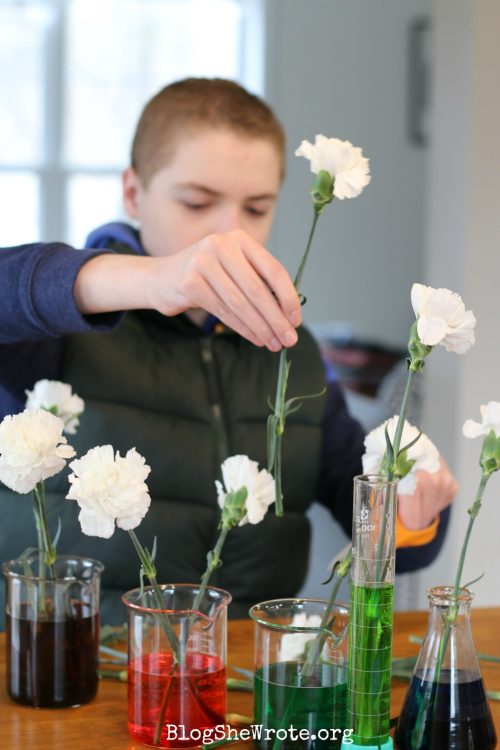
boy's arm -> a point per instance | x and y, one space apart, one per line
229 275
36 293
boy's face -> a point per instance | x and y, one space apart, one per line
216 181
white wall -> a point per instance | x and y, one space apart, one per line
463 253
340 68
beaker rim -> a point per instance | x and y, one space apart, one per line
96 565
225 600
343 607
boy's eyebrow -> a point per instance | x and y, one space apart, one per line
215 194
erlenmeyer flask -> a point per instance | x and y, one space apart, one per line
446 707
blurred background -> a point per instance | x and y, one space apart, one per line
414 83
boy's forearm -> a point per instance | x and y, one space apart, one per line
111 283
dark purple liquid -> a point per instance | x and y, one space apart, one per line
454 715
52 664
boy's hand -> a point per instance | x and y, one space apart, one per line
229 275
434 492
233 277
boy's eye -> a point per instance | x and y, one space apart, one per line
196 206
256 211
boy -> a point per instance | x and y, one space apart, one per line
186 374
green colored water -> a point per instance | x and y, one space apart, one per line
318 707
370 654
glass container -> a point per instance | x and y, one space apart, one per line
176 664
372 609
446 707
300 674
52 631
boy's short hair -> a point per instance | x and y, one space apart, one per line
191 104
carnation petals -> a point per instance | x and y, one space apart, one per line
343 161
240 471
109 489
32 448
54 395
490 420
424 453
442 318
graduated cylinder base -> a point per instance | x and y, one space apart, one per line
387 745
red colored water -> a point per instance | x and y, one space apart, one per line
196 699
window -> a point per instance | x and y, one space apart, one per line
76 74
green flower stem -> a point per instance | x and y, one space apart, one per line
473 513
214 562
47 549
150 573
298 277
313 655
390 474
274 453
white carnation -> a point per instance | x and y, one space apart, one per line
343 161
423 452
442 318
490 420
240 471
109 489
57 398
32 448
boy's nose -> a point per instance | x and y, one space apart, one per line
232 218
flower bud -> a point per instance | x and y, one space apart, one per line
322 190
416 350
234 508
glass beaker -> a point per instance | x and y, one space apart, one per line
372 608
52 631
176 665
446 707
299 703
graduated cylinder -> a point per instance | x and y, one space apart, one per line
371 621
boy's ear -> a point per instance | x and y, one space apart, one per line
130 190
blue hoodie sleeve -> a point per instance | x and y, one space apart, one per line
36 293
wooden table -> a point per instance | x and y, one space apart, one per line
102 725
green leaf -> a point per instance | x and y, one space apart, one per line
466 585
58 533
411 444
153 551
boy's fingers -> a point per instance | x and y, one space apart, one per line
239 290
275 276
233 303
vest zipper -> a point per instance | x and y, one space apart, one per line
215 396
